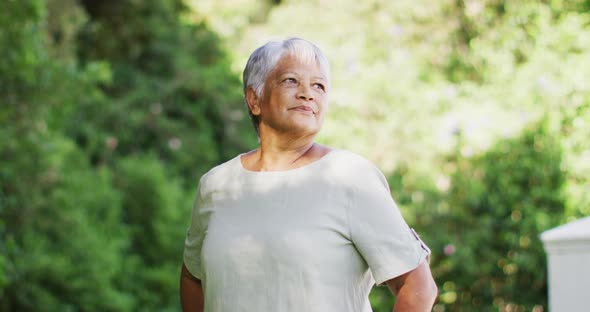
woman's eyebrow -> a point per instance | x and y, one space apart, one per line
287 73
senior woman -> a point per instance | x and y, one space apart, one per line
294 225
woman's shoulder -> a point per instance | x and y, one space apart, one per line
356 171
350 165
220 173
349 159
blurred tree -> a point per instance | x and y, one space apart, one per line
60 231
153 202
501 201
171 91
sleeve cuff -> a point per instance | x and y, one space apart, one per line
383 274
192 266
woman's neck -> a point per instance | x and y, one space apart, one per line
271 157
276 157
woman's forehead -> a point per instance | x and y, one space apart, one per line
290 61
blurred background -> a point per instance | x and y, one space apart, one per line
477 111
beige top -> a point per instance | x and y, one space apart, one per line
315 238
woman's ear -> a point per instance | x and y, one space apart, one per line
253 101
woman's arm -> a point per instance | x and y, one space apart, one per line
415 290
191 292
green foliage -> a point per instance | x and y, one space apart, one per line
482 219
182 104
62 231
156 208
72 246
500 202
21 64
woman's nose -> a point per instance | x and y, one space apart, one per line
304 93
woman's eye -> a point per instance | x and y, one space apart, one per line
319 86
290 80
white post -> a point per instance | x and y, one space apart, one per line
568 265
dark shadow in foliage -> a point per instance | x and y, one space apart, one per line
172 92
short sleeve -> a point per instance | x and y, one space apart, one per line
195 235
379 232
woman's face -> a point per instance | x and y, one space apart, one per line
294 99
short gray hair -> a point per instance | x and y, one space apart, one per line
264 59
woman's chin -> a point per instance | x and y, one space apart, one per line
306 129
298 127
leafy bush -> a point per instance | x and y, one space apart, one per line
486 240
155 212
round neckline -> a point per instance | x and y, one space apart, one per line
282 172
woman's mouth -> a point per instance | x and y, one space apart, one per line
303 109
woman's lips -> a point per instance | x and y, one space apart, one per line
303 109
